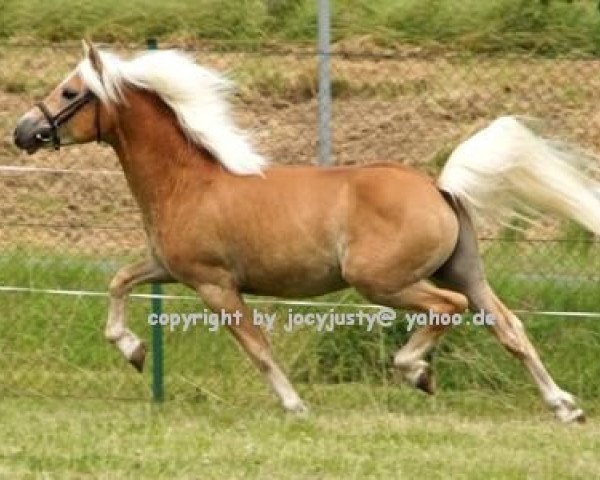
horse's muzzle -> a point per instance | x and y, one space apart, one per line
30 135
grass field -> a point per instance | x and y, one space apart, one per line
545 27
352 433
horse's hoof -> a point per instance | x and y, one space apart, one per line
298 409
426 381
418 375
571 416
566 409
138 356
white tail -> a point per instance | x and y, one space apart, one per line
506 169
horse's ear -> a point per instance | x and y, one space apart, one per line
92 54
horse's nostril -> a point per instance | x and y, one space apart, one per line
44 136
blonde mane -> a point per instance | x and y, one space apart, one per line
197 96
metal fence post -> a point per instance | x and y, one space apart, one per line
158 387
324 84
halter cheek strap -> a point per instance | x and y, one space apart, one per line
53 125
64 115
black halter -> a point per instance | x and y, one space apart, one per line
67 113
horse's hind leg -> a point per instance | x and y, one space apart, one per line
424 296
509 330
409 360
464 273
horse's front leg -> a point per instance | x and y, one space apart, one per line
253 341
120 286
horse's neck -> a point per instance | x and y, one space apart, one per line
155 155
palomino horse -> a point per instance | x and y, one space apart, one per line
223 223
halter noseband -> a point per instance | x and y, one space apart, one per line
66 114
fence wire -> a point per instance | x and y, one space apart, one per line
68 221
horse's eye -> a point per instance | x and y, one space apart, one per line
69 94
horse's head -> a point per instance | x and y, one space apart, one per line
107 98
70 114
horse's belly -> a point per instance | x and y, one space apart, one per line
294 280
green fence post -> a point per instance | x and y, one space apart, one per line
158 386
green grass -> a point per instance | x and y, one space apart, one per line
546 27
351 433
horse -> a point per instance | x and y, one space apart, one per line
222 221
